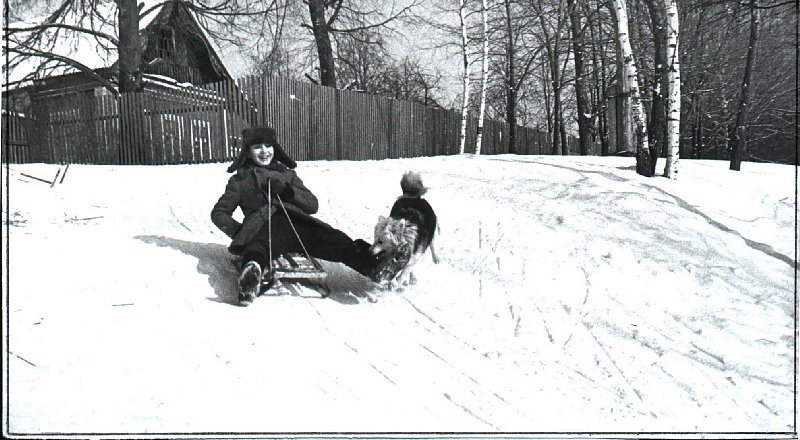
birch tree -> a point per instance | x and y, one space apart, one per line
462 13
673 91
484 76
630 76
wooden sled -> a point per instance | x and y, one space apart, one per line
298 269
289 271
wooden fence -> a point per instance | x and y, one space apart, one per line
15 127
179 126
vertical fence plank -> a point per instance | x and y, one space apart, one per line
124 114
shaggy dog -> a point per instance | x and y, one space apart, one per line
403 238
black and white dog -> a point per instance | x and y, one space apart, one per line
403 238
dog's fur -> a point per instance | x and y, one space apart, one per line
411 224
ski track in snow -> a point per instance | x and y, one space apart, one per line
572 296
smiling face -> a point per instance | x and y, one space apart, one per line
262 154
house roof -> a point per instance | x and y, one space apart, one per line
91 51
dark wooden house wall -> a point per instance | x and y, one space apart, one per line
189 58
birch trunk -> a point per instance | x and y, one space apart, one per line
673 92
465 89
643 154
484 78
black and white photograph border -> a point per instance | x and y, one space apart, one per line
622 266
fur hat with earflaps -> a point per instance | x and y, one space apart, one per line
260 135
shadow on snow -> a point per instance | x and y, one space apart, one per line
213 260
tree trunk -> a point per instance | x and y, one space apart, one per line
602 120
557 113
558 146
738 138
548 111
511 88
130 58
658 114
643 157
697 130
563 126
581 91
673 91
131 119
624 142
464 78
599 74
484 78
327 66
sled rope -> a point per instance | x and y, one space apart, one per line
269 221
305 251
296 234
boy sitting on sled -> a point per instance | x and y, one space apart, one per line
262 169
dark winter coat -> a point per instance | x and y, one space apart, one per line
247 189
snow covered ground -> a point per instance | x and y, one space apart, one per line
572 296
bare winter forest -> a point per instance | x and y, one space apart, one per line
703 78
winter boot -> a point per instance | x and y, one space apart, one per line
361 260
249 283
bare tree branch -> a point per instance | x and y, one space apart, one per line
14 30
29 51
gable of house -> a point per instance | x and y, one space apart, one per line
175 45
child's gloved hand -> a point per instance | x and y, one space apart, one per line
282 189
286 193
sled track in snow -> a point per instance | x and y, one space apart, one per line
761 247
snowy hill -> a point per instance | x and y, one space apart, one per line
572 296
